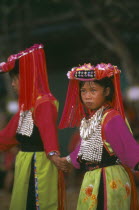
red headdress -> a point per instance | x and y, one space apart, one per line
74 110
33 77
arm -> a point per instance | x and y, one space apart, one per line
73 157
7 135
46 118
122 141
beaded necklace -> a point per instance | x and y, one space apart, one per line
91 144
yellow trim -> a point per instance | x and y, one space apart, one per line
105 143
108 147
56 103
39 97
103 118
127 123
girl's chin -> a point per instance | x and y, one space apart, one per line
89 107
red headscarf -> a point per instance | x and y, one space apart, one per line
74 110
33 77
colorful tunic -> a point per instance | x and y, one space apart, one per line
36 178
108 184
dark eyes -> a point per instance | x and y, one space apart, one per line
84 91
93 90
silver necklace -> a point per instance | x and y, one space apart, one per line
91 144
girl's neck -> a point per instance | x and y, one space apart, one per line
90 112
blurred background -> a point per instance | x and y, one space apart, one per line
73 33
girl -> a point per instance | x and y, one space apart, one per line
37 181
107 149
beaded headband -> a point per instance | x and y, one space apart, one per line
90 72
83 72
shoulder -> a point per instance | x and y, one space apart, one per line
110 118
45 106
108 115
45 101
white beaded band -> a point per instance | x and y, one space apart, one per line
68 159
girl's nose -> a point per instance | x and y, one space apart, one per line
88 94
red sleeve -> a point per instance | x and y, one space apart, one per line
7 135
45 117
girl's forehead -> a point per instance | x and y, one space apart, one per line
89 84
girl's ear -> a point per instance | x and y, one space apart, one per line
107 91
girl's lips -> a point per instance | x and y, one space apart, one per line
89 103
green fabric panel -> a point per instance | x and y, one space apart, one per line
47 177
21 180
47 182
118 189
89 190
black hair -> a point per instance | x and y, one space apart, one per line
105 82
15 71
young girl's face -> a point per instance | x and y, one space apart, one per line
93 95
